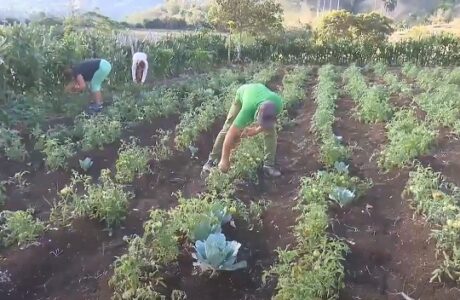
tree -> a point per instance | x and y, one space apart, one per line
255 17
390 5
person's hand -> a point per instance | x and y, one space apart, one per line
251 131
224 166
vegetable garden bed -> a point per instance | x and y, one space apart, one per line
369 246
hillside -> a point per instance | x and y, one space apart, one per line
117 10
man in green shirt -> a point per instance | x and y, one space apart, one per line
253 111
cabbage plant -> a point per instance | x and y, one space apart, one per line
341 167
86 164
342 196
217 254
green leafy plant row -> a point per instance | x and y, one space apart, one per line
394 84
19 227
372 102
137 274
105 201
326 94
408 138
438 202
439 99
312 268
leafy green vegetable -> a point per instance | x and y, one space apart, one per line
342 196
217 254
85 164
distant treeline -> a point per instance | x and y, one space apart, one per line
156 23
165 23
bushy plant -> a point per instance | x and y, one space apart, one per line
57 154
19 227
343 25
408 138
11 144
98 131
132 162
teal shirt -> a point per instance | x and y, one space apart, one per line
250 96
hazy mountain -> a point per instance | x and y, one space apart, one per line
115 9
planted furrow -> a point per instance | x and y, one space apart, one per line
312 268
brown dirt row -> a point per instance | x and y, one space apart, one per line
390 250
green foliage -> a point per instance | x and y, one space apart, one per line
342 25
439 101
294 86
137 273
374 106
3 195
372 102
438 202
252 16
11 144
57 154
98 131
132 162
265 75
19 227
313 268
326 94
162 149
408 138
247 159
106 201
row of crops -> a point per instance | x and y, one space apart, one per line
107 200
34 56
411 134
194 221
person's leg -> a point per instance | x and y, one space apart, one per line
96 83
270 144
216 152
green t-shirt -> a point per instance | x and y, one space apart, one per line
250 96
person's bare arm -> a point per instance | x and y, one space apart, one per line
251 131
80 84
231 139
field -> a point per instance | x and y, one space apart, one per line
375 226
114 205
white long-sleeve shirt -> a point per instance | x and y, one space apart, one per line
138 57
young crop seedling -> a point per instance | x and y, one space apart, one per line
192 220
132 162
85 164
162 149
106 201
57 154
98 131
19 227
11 144
313 268
408 138
438 202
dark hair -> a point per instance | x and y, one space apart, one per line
68 73
141 64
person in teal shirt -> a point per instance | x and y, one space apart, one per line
253 111
93 71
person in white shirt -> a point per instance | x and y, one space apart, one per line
140 67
